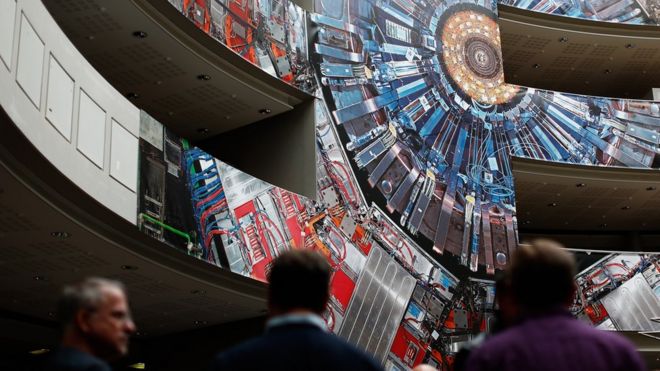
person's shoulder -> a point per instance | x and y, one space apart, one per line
503 339
351 352
243 350
69 359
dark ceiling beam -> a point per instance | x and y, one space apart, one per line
588 207
579 56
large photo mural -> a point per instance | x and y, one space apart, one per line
271 34
418 96
415 208
242 223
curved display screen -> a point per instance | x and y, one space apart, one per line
430 126
270 34
415 208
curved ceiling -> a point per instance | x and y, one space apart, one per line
588 207
579 56
184 78
168 290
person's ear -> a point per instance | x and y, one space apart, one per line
82 321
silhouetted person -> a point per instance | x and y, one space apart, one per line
546 336
96 325
296 336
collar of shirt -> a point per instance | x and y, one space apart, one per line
297 318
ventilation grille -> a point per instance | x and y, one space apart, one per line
73 6
590 63
98 23
11 221
56 248
645 53
576 48
564 62
603 50
536 43
165 70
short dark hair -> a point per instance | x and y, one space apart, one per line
299 279
542 275
86 295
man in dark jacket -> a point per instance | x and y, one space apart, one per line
296 336
96 326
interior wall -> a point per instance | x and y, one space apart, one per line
76 119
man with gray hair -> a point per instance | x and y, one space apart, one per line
96 325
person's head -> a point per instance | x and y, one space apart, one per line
424 367
94 315
299 281
506 302
542 276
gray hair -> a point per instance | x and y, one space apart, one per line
85 295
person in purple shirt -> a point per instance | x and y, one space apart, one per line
547 336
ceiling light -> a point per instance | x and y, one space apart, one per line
127 267
651 188
203 130
60 235
553 204
203 77
265 111
140 34
630 46
39 278
132 95
580 185
41 351
563 39
607 71
536 66
625 208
